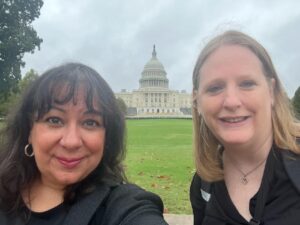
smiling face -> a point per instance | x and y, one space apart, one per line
68 142
235 98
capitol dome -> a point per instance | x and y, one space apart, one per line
153 98
154 74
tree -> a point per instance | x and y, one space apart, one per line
122 105
29 77
13 97
296 102
17 37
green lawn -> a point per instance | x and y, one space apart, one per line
160 159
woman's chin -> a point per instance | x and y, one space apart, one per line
235 141
65 181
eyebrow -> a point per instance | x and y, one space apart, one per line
220 79
89 111
57 108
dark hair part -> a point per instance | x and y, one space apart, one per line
59 85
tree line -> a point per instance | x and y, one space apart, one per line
7 104
296 102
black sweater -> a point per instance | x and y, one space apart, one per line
278 196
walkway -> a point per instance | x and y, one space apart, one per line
175 219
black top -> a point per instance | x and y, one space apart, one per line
125 204
277 200
53 216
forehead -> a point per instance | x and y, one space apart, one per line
230 60
81 97
68 95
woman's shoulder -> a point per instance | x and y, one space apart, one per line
132 191
6 219
130 204
200 190
131 195
196 181
291 163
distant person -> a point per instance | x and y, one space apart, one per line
247 156
61 157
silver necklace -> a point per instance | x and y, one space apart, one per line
244 179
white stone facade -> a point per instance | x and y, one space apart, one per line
154 98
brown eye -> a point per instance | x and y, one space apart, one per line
90 123
54 120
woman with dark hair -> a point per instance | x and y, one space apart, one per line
246 151
61 156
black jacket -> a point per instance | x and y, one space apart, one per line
125 204
202 200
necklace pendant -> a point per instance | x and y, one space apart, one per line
244 180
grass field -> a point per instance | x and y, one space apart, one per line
160 159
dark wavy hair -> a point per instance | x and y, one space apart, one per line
59 85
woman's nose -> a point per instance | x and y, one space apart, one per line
71 138
232 99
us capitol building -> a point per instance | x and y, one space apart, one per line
154 98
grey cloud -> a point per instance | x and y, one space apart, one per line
116 37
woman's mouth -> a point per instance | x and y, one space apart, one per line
69 163
238 119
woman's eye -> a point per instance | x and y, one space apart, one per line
247 84
54 121
214 89
91 123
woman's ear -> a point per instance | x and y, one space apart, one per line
194 98
195 101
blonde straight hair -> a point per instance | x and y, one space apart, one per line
286 128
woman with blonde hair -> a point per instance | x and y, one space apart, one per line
246 150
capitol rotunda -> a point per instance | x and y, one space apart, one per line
154 98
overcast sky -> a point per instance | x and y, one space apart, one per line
115 37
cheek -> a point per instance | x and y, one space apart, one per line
96 143
41 140
261 104
208 107
96 148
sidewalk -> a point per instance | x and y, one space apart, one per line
178 219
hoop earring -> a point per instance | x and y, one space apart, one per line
26 151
